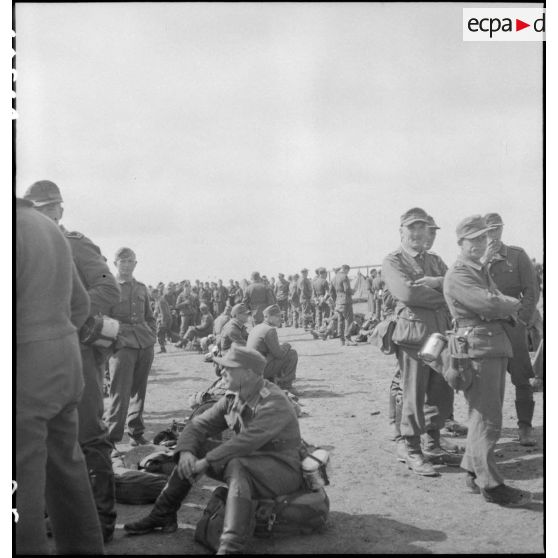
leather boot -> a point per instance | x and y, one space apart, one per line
415 459
391 415
163 514
434 452
238 525
525 411
101 477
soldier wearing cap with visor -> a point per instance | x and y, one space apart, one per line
257 297
342 293
479 350
514 275
294 301
305 289
281 358
261 460
282 296
103 292
414 278
234 330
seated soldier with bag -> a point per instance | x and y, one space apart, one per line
260 461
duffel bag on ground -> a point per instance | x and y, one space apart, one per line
137 487
210 526
299 513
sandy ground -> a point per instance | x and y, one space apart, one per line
377 504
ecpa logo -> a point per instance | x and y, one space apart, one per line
503 24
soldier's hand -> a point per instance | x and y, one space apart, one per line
432 282
491 251
200 466
185 466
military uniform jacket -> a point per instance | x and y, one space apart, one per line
133 311
479 308
514 275
257 295
264 339
421 310
220 294
185 304
219 323
234 331
320 287
282 290
341 291
205 326
305 288
264 425
294 294
94 272
162 313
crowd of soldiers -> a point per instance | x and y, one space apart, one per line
65 439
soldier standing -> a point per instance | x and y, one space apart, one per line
514 275
342 293
131 361
479 311
414 278
282 296
320 290
103 292
51 304
188 314
163 319
294 301
257 297
305 288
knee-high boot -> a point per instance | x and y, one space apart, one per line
238 525
163 514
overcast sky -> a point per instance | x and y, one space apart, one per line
218 139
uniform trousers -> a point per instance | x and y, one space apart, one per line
93 436
485 397
344 320
162 332
521 371
295 314
129 370
282 371
284 306
50 467
307 311
427 396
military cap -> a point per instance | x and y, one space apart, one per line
43 192
242 357
238 309
296 276
255 276
345 266
303 270
124 252
493 220
272 310
322 270
281 275
431 223
471 227
414 215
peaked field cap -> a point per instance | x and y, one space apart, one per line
414 215
431 223
493 220
238 309
242 357
281 275
255 275
471 227
43 192
272 310
303 270
345 266
124 253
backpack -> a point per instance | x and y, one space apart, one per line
302 512
299 513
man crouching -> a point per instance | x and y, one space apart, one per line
261 460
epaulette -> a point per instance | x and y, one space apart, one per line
73 234
264 392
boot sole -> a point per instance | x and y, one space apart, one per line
523 502
431 474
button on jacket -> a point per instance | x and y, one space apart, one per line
514 275
264 425
137 324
